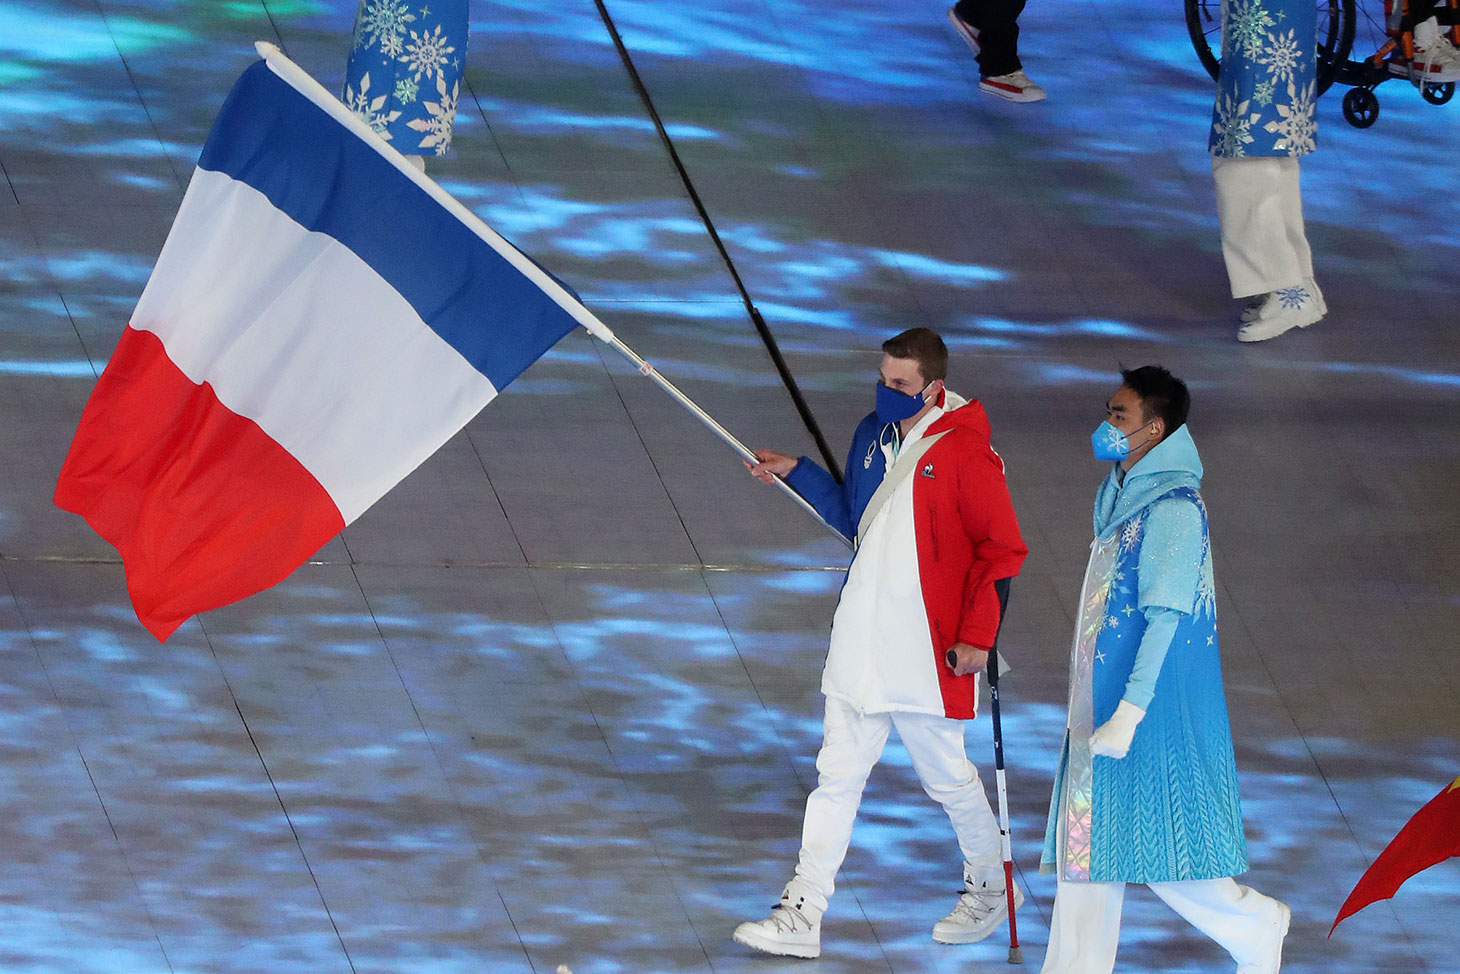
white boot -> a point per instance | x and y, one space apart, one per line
1252 306
1284 309
794 927
982 906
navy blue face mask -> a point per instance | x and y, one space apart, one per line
894 406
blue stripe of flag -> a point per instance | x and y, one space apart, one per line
328 180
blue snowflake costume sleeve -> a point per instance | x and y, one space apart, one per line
1267 87
404 73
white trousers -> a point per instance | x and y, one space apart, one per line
1086 922
1260 212
850 747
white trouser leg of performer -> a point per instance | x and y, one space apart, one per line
935 745
850 746
1248 925
1292 202
1085 928
1260 212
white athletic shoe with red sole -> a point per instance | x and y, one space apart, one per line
1014 86
1435 60
1422 69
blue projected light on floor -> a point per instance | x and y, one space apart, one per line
502 753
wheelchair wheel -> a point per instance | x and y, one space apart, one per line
1360 107
1335 36
1437 94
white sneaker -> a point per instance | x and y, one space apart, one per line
1272 958
1014 86
1435 59
792 930
967 31
979 911
1284 309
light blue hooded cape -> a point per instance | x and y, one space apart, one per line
1168 810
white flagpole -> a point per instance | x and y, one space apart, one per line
300 81
645 369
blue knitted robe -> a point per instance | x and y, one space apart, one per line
1169 809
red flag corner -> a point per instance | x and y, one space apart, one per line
1431 836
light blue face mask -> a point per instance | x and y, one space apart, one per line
1109 442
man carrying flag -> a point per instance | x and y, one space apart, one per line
926 499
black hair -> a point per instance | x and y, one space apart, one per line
1161 394
924 346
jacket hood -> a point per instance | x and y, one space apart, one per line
1172 463
960 412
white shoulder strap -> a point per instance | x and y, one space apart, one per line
907 462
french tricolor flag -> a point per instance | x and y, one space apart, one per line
321 319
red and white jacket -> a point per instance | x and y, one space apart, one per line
932 540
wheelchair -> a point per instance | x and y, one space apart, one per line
1392 39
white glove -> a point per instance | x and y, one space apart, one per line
1112 738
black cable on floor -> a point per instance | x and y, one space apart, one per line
766 337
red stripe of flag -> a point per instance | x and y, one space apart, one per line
203 506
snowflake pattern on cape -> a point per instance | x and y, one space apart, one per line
426 54
411 52
1232 131
1206 590
370 110
1206 582
1130 535
1280 56
1265 89
1295 127
442 115
1247 23
382 23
